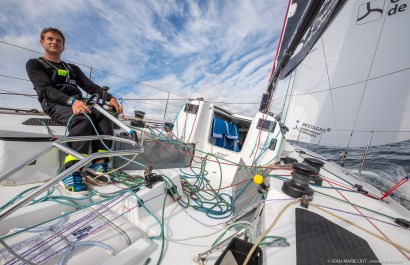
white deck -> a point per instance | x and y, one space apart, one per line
130 229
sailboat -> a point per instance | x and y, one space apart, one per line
214 187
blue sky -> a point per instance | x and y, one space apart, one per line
222 51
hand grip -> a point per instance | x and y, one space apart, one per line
104 97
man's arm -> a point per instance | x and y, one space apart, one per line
42 82
91 88
86 84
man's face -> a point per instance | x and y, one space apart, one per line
52 43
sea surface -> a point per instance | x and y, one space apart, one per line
390 162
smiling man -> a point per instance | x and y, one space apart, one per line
58 84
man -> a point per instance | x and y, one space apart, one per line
56 83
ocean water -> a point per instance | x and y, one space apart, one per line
390 162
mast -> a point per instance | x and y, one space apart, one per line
304 24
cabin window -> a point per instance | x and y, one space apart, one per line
228 133
225 134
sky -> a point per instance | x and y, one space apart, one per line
148 51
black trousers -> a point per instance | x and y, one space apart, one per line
80 125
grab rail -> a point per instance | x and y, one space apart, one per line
82 162
368 143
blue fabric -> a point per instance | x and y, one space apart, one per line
220 142
220 128
226 135
236 137
232 138
232 131
235 144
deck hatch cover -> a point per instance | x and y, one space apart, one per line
41 121
320 241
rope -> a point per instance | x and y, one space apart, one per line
259 240
9 249
48 128
363 229
398 184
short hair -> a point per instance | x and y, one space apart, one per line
55 30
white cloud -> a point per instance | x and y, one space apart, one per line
219 50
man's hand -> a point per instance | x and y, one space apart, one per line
79 107
114 103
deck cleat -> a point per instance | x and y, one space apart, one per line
151 178
402 222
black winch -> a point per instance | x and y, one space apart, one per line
299 184
317 165
138 120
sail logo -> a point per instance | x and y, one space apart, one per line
373 10
312 130
370 12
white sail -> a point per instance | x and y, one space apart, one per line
354 81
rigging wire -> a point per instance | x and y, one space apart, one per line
129 99
13 77
291 81
262 239
201 180
103 71
156 105
367 81
343 86
385 239
330 91
7 43
122 77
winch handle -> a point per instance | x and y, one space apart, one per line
89 100
105 93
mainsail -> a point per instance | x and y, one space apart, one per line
342 72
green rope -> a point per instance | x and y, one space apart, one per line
262 243
226 230
48 128
126 179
